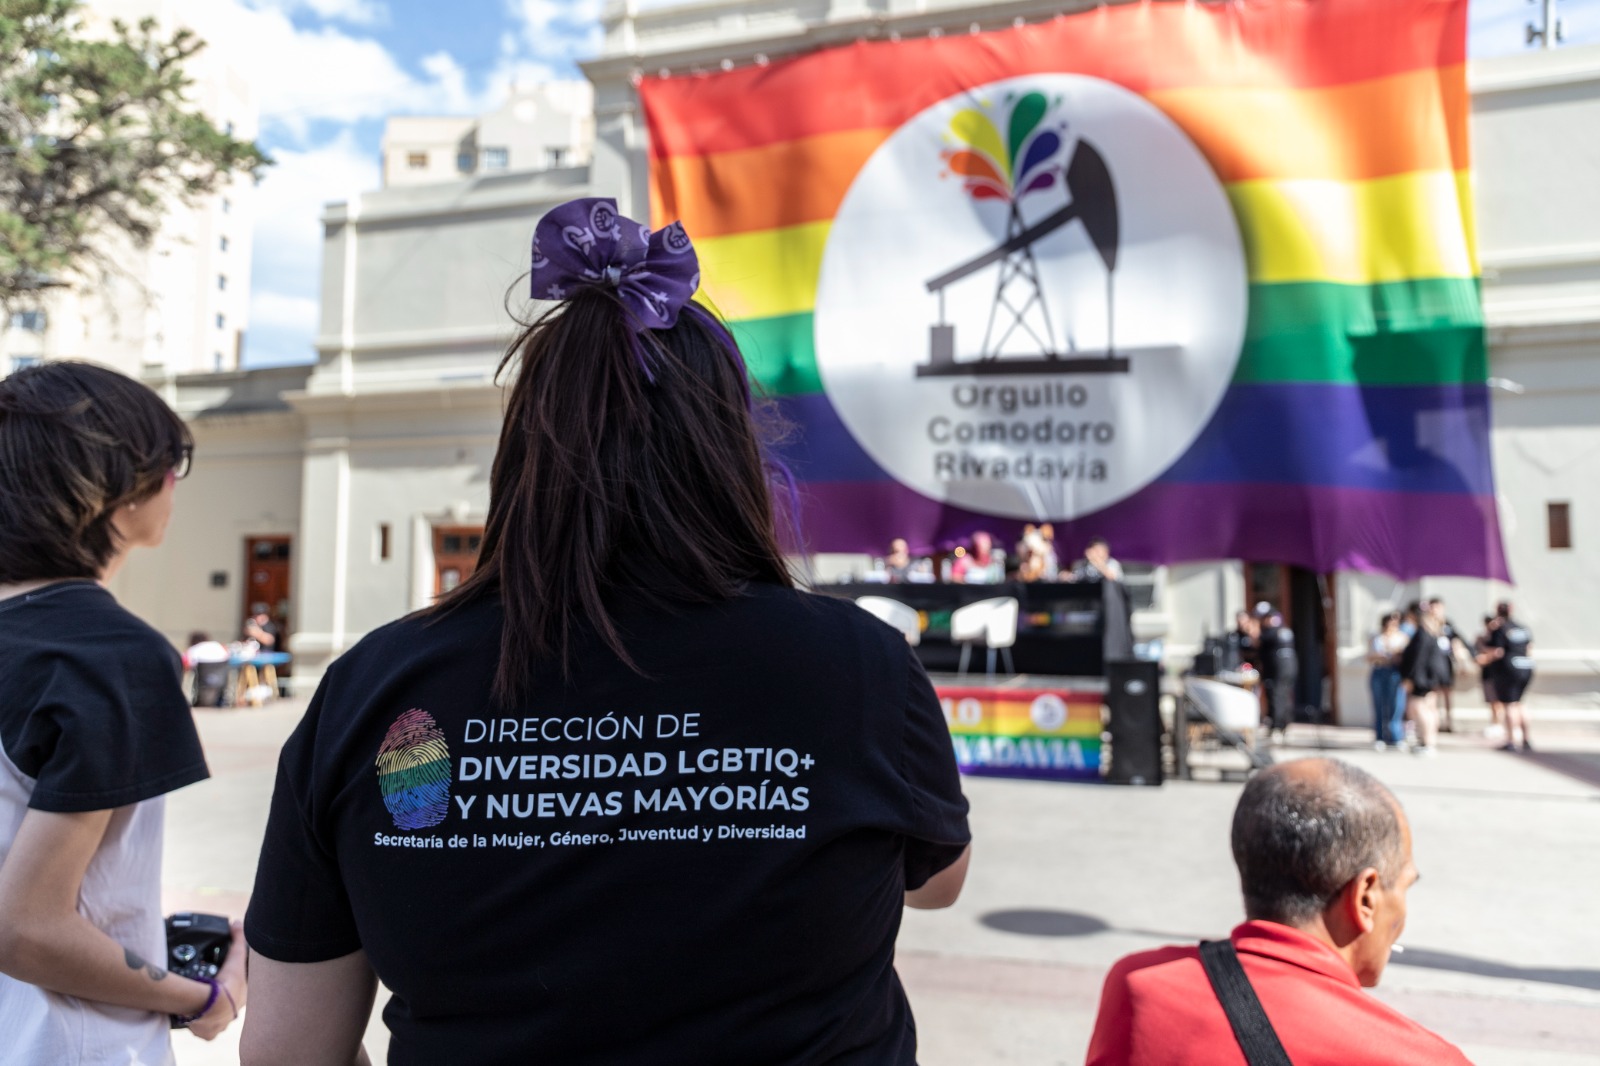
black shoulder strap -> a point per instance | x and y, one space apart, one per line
1251 1027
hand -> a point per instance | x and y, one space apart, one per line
230 998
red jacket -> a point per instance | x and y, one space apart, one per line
1158 1009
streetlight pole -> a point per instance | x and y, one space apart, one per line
1549 32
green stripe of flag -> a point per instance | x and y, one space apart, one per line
1423 332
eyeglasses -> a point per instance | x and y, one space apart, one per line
185 460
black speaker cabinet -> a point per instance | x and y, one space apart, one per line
1133 696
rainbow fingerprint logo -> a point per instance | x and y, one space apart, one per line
414 771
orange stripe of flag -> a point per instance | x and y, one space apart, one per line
1247 134
1145 47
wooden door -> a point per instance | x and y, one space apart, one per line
455 555
1309 607
268 581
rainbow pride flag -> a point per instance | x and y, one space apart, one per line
1340 412
1042 734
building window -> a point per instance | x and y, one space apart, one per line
222 321
464 162
555 157
222 282
222 243
30 321
216 360
496 158
23 362
417 160
1559 518
227 205
383 545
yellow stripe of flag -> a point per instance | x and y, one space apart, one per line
1386 229
1357 233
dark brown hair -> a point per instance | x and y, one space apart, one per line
628 463
77 442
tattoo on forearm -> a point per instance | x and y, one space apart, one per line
136 962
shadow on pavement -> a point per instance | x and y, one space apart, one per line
1056 923
1428 959
1044 923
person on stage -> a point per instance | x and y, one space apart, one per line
1096 564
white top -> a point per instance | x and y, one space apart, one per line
208 651
121 895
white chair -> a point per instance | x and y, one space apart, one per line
993 622
1225 708
896 614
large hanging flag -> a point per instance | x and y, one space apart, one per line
1198 278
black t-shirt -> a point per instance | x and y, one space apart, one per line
1514 639
705 864
93 708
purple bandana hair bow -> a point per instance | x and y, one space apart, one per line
585 242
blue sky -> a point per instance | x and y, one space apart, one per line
328 72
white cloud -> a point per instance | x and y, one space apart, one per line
354 12
557 31
326 74
288 242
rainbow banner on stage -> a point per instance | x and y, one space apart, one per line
1198 278
1045 734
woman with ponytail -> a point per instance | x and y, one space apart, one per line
625 795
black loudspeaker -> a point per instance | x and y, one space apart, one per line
1205 664
1133 696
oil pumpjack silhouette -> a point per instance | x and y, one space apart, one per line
1092 201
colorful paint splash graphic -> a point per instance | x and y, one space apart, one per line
414 771
1005 166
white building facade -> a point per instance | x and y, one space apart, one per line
547 126
374 465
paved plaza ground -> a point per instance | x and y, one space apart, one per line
1502 947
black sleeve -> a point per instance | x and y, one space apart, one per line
110 730
300 911
1408 658
936 827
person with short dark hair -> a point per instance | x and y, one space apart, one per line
260 628
94 729
1280 672
1324 858
1096 564
625 795
1511 648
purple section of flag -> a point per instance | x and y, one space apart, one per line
1323 528
1408 439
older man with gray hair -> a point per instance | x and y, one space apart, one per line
1324 858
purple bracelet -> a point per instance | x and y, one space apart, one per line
211 1001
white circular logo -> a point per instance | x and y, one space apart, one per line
1032 298
1049 712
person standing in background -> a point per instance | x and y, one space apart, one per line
1280 670
1424 668
1488 666
1511 645
1388 700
